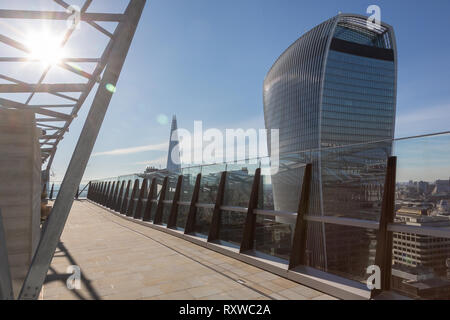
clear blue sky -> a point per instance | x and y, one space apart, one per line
206 60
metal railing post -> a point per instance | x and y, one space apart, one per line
250 221
160 208
132 201
214 228
298 249
142 194
112 204
105 194
118 204
101 193
111 195
383 256
126 196
88 196
174 210
150 198
190 221
97 190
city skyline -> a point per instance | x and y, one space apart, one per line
144 100
200 149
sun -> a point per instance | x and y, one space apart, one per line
45 47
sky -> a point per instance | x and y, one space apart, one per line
206 60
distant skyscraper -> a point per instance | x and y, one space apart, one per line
173 157
335 86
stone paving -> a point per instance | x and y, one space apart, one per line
120 259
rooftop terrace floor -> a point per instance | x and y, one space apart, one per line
120 259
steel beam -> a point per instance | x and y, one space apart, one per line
92 23
191 218
172 223
298 249
50 113
60 15
55 224
214 228
383 255
44 87
25 59
248 236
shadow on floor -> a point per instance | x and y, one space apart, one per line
54 276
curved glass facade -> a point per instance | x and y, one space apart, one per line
335 86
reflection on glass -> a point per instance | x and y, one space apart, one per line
210 183
203 221
421 264
232 226
182 215
273 238
238 186
350 250
166 213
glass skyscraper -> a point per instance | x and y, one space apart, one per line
330 91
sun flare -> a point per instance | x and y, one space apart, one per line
45 47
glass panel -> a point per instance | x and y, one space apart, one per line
232 226
203 221
159 184
353 180
287 181
265 198
166 213
272 237
153 211
423 184
348 250
238 186
188 184
171 186
421 266
183 212
210 183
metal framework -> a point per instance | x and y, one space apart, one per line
54 133
54 124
